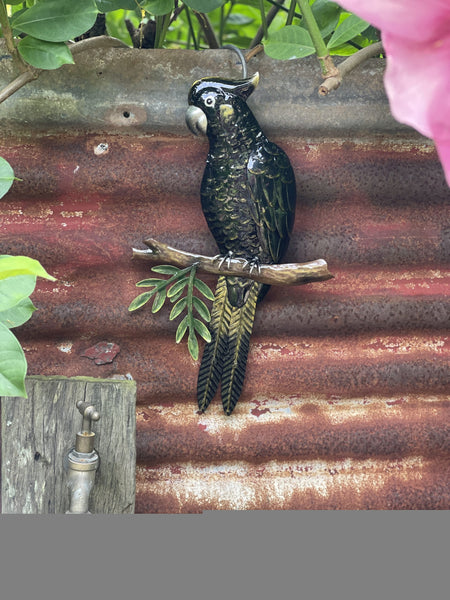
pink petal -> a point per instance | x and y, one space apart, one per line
417 82
413 19
416 38
443 148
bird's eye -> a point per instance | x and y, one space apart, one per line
209 101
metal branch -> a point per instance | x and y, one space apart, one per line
280 274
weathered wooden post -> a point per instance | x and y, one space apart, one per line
39 431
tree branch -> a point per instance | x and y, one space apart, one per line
207 29
17 83
332 82
8 36
102 41
273 11
280 274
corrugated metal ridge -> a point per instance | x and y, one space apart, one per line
302 427
127 90
401 484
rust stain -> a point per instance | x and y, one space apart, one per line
399 484
298 427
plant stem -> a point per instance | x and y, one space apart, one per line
9 39
313 28
268 20
291 12
332 83
263 18
222 24
191 28
325 60
6 28
162 25
18 82
208 30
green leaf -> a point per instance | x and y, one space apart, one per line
13 365
18 314
105 6
347 30
174 297
372 34
57 20
204 6
239 19
140 300
181 330
44 55
149 282
178 308
10 266
193 344
288 43
201 308
166 269
202 330
158 303
13 290
326 14
204 289
6 176
158 7
177 287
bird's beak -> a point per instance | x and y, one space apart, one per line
196 120
254 80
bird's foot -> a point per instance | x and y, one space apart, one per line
254 263
224 259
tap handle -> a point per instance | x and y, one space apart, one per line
89 414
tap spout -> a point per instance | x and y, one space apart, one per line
80 479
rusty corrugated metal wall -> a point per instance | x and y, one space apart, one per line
346 401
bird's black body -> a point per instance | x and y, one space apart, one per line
248 198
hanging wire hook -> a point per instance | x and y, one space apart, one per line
239 52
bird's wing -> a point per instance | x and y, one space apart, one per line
273 193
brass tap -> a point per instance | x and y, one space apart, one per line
82 462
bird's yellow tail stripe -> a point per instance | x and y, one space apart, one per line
215 351
240 329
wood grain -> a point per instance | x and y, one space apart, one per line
39 431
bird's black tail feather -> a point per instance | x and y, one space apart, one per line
225 357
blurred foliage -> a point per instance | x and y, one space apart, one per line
238 21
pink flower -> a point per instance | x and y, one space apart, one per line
416 38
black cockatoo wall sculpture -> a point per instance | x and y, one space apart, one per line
248 197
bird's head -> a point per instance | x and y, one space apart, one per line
213 101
